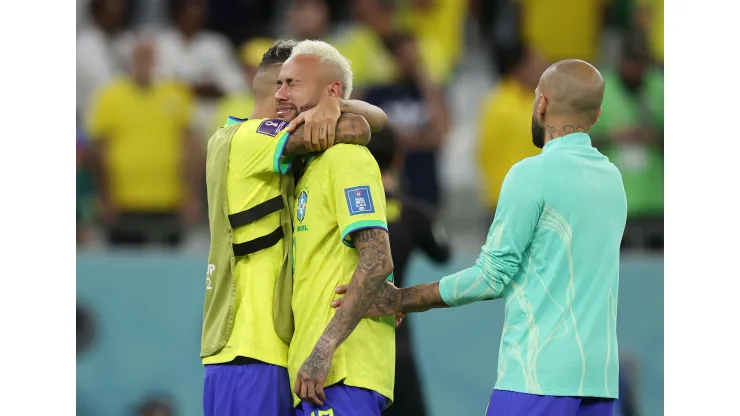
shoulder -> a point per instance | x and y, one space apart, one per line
262 127
350 157
175 88
530 168
89 38
349 154
118 86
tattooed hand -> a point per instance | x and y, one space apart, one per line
309 385
350 129
320 124
374 267
388 302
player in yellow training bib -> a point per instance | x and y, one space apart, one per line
339 237
245 358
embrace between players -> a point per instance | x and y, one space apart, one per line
279 248
282 251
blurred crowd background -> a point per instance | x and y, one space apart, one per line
155 78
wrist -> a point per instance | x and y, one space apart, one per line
404 301
343 105
325 348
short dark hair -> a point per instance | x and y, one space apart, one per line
278 53
383 146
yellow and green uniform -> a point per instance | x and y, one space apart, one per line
255 165
340 192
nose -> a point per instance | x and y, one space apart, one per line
282 92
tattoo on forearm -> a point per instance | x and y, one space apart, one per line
362 112
368 279
350 129
295 145
421 298
388 300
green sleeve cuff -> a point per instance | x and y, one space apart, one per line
282 164
231 120
361 225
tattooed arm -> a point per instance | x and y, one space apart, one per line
500 259
374 115
321 121
369 277
350 128
392 300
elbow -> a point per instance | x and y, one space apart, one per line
380 121
496 281
365 131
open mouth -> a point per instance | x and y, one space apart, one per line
283 110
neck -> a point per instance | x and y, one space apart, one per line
263 109
187 35
106 29
143 82
562 127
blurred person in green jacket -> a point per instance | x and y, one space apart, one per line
630 133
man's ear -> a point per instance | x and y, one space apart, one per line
334 89
542 106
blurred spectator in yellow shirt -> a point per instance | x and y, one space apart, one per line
440 23
650 20
149 169
365 45
505 129
241 103
564 29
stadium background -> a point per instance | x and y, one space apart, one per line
139 308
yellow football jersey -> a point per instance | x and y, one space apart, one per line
255 165
340 192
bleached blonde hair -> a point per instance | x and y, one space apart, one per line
328 54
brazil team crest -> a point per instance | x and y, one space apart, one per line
301 211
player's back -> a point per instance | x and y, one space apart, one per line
339 193
561 305
253 177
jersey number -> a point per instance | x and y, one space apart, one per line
327 412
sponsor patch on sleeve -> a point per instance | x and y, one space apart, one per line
271 127
359 200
